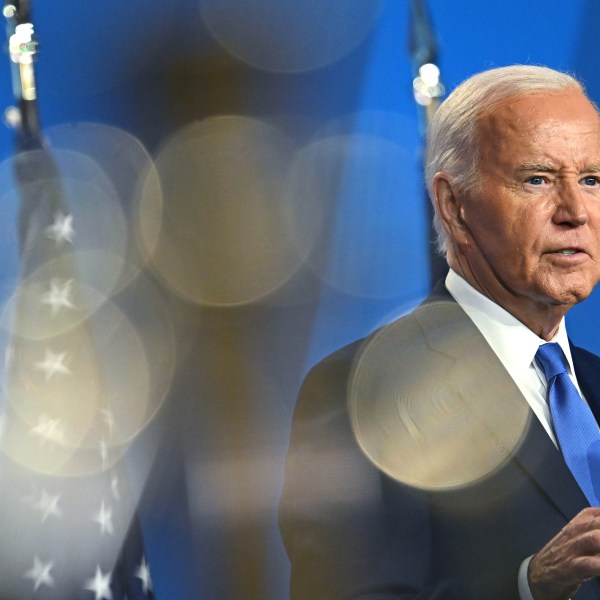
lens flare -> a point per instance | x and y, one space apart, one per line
289 36
429 405
223 237
353 195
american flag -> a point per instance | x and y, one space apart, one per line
68 522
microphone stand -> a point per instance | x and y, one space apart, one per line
428 91
35 169
23 48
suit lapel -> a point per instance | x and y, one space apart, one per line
544 464
587 371
499 405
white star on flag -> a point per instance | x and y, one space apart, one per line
104 518
49 429
61 230
100 585
40 574
143 573
59 296
47 505
53 364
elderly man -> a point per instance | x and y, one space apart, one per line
456 453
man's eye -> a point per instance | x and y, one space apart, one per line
591 181
537 180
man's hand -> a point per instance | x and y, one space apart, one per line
568 559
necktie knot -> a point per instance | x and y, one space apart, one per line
551 360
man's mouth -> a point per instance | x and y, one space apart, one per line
569 251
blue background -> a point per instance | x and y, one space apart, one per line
152 67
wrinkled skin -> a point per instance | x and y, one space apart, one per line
527 235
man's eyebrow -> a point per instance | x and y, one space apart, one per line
546 168
528 167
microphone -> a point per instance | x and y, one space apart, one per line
23 49
427 84
428 90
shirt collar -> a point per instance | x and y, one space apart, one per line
512 341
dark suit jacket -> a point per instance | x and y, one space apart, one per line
352 531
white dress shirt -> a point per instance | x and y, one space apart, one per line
515 345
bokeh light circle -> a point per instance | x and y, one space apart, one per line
66 187
429 405
125 162
75 400
289 35
222 235
357 199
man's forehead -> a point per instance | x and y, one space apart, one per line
541 128
550 108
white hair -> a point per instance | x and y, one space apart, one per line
451 138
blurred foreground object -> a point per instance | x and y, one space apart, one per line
68 516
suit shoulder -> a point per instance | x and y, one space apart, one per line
325 385
585 358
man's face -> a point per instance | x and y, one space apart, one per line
532 226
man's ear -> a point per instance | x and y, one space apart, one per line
449 208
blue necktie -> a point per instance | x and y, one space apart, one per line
574 424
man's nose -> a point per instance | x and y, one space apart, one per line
571 206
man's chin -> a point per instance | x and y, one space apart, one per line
569 297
